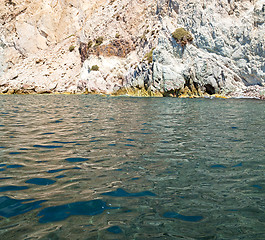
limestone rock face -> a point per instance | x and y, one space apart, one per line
51 46
34 46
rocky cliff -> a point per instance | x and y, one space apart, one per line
163 47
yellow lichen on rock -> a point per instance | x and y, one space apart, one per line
137 92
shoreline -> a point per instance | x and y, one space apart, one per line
205 96
147 49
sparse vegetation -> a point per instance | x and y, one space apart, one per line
144 38
71 48
149 56
10 2
117 35
94 68
182 36
99 41
72 35
89 44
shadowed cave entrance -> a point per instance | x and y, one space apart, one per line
209 89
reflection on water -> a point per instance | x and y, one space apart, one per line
57 213
12 207
91 167
40 181
122 193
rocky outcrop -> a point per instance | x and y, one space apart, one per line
34 49
132 45
226 56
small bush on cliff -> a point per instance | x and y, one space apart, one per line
89 44
94 68
99 41
182 36
10 2
149 56
143 38
71 48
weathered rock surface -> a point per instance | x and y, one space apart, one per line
226 56
34 47
131 43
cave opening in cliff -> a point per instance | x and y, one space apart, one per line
209 89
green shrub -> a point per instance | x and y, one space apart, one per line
99 41
146 31
149 56
94 68
182 36
143 38
89 44
117 35
71 48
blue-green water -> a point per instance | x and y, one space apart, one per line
92 167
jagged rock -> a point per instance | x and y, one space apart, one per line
226 55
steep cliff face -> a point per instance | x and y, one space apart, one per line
54 46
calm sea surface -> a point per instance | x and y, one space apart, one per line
92 167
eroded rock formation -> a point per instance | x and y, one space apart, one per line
51 46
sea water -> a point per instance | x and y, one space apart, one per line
95 167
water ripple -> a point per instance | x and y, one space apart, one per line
58 213
183 217
204 159
12 188
12 207
122 193
40 181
